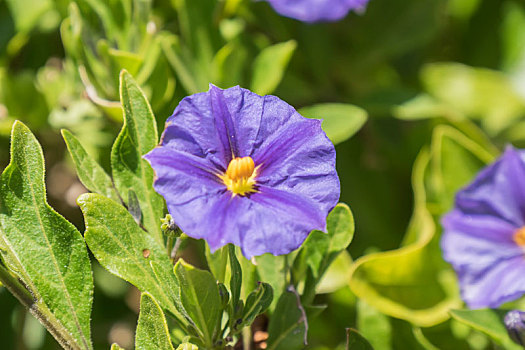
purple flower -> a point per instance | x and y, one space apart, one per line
317 10
235 167
484 236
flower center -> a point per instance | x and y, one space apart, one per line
519 236
239 178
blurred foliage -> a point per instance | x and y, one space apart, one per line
440 86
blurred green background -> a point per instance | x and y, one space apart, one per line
413 65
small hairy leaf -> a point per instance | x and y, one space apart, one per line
44 250
152 329
137 137
89 171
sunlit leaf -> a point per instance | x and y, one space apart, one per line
152 328
45 251
488 321
123 248
137 137
374 326
89 171
269 67
477 93
200 297
340 121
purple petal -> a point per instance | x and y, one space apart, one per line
498 190
182 177
289 163
270 221
193 128
316 10
478 233
504 282
483 265
481 226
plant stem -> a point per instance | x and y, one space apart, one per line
38 310
247 338
169 245
16 288
175 249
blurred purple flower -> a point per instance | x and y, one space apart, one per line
484 237
317 10
235 167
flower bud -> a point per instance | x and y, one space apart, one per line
515 324
168 227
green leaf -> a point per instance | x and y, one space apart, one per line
152 328
45 251
355 341
340 121
187 346
89 171
337 274
236 276
320 249
257 302
121 246
116 347
476 93
513 38
288 328
126 60
28 13
173 52
193 61
218 263
488 321
137 137
374 326
200 297
424 106
269 67
272 269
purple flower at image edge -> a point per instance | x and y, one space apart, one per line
484 235
317 10
236 167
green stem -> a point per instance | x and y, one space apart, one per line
247 338
169 245
16 288
38 310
